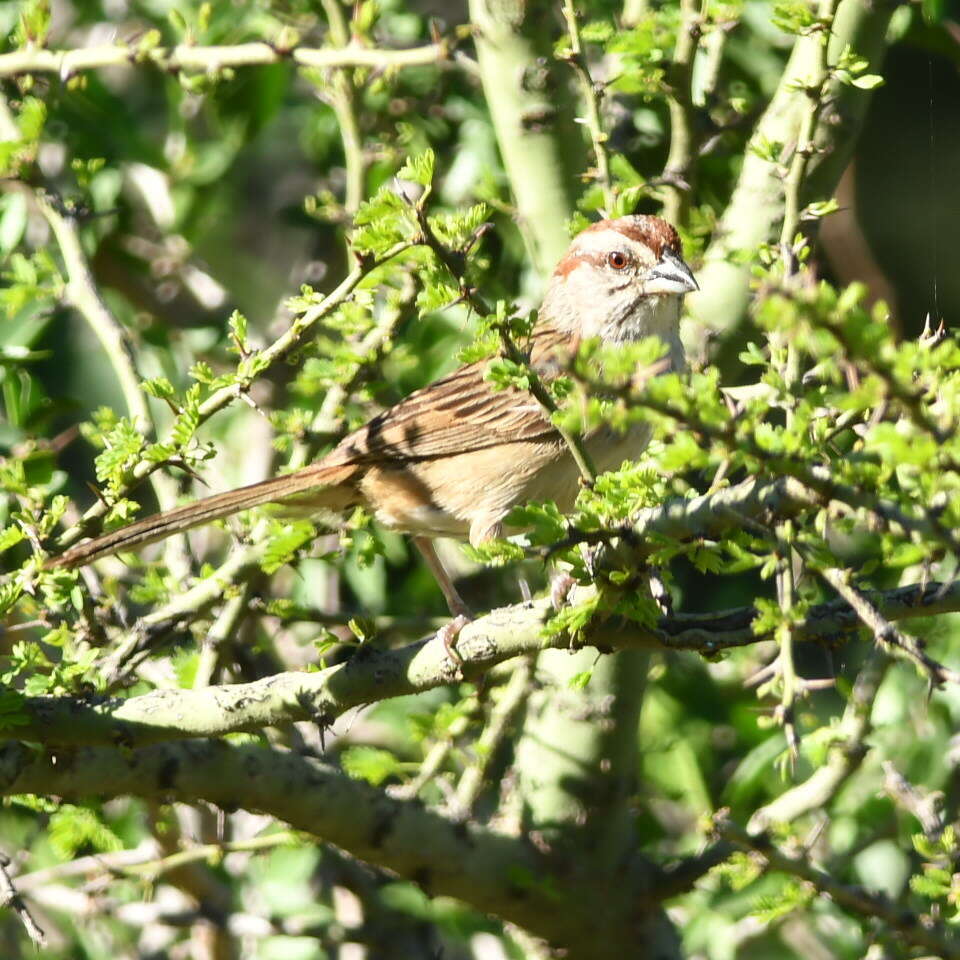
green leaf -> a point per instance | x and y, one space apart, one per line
122 447
792 896
573 619
238 330
10 537
188 419
369 763
34 23
419 168
72 829
159 387
381 222
496 553
793 16
13 220
868 81
285 539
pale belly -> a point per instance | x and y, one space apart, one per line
468 495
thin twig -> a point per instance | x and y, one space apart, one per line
678 170
818 478
285 344
235 608
82 294
502 716
855 899
925 805
382 624
885 633
370 350
913 402
137 642
343 101
844 756
576 57
10 897
436 756
806 148
786 630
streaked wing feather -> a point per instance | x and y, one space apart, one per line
458 413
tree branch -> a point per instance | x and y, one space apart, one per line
884 632
805 147
285 344
372 675
590 94
82 294
843 759
855 899
677 172
10 897
755 210
68 63
493 872
343 101
512 701
530 112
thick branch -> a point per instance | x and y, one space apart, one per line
530 113
373 675
755 210
493 872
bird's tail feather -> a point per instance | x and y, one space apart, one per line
314 487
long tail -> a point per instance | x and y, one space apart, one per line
314 487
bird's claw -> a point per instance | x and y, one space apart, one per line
448 634
561 583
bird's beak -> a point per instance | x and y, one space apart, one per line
670 276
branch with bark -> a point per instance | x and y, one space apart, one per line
493 871
212 59
755 211
372 675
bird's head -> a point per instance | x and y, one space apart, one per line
621 280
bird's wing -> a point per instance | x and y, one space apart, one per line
455 414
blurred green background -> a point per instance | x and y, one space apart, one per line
198 209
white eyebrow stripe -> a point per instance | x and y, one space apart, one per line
597 241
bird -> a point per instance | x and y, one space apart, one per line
455 457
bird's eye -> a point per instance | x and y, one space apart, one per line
617 260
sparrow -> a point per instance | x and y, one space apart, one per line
454 458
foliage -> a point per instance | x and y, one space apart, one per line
193 295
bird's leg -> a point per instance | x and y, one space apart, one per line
458 608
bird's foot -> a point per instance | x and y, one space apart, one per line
561 583
448 634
